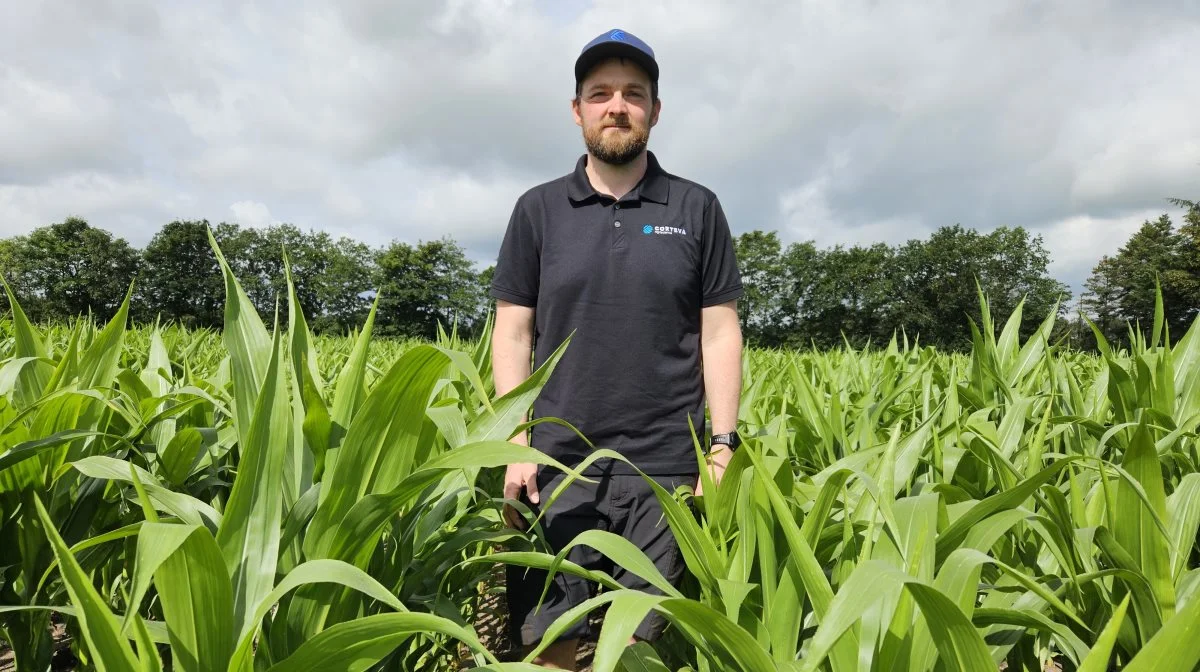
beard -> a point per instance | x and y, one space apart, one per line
617 148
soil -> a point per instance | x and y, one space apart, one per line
491 623
62 660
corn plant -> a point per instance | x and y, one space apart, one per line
263 498
245 515
907 509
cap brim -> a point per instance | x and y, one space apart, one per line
588 59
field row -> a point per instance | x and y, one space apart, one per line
261 498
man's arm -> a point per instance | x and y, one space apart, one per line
512 346
721 350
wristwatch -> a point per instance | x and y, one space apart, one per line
731 439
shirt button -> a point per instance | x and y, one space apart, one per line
617 206
617 224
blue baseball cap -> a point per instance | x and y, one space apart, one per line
616 42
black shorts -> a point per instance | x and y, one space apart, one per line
621 504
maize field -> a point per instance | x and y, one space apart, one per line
260 498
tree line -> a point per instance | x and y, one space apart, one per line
801 296
797 296
1122 285
71 268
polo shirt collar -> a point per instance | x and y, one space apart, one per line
654 185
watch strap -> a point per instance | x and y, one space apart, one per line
730 439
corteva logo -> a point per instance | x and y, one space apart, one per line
663 230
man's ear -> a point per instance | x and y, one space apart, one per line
575 111
657 110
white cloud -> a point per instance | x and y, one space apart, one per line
808 213
1080 241
840 122
344 202
131 208
46 129
251 214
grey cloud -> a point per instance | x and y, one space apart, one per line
843 122
907 117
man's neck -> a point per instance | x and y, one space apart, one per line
616 181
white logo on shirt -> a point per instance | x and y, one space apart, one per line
663 230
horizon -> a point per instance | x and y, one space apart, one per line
839 124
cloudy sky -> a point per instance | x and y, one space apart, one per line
837 121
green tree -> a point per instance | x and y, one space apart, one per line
851 299
424 284
330 277
935 282
258 263
180 278
69 269
486 302
803 269
14 268
762 308
1186 279
1122 286
1102 299
1148 256
343 290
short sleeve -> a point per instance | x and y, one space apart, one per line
518 265
720 279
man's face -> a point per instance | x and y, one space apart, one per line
615 112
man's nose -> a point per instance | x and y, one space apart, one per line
618 104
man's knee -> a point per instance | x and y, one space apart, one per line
651 628
560 655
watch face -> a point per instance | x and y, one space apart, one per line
730 439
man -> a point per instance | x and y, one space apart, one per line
640 265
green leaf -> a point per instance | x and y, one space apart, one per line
1173 647
1135 528
392 416
195 591
1098 659
249 535
98 366
953 536
1183 507
623 553
314 571
28 343
624 615
249 345
356 645
31 449
702 625
98 624
186 508
513 406
803 565
958 642
641 657
350 390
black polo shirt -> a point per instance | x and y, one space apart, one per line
629 277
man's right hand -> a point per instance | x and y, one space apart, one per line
512 347
517 476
